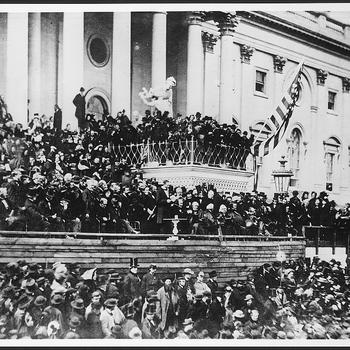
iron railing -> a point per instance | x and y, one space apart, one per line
185 152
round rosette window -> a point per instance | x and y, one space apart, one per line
98 51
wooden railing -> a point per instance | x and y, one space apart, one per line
327 236
141 236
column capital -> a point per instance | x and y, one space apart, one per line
246 53
209 41
195 17
346 84
227 23
321 76
279 63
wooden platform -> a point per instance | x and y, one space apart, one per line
234 257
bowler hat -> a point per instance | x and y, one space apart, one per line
74 322
40 300
110 302
82 89
57 299
198 296
77 304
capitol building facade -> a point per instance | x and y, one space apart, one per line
232 66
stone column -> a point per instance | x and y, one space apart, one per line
17 66
227 24
121 58
209 41
159 49
194 63
73 64
34 63
49 66
247 74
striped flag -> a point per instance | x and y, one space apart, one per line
279 118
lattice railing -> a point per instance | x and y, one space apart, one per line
187 152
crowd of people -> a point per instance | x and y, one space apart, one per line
302 299
61 180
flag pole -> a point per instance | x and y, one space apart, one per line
289 83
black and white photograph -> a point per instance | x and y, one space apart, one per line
175 174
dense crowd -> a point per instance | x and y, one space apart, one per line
62 180
300 299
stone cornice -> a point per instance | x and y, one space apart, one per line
296 30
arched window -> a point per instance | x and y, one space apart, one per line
265 131
294 151
332 153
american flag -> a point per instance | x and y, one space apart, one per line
280 116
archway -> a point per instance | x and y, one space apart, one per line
97 103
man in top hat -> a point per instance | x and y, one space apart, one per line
150 281
149 325
79 103
132 282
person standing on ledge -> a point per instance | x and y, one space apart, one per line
79 103
57 118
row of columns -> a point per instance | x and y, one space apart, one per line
24 63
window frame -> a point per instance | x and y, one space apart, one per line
263 93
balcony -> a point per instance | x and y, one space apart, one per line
191 163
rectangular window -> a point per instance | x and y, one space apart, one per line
331 100
260 81
329 166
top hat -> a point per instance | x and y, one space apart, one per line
133 262
151 309
77 304
212 274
